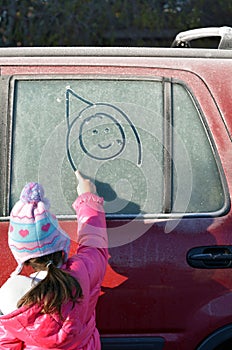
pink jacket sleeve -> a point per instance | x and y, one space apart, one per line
92 237
91 221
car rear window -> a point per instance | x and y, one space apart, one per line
143 141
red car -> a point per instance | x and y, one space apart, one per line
153 128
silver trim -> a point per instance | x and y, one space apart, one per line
225 33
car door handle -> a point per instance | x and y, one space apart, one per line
210 257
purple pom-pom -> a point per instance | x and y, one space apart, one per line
32 193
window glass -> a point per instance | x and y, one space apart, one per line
113 130
196 178
115 137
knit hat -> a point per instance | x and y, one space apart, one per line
33 230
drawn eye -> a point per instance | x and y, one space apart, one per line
107 130
95 132
119 142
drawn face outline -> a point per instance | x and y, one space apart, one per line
121 141
69 92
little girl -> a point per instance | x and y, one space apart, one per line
54 308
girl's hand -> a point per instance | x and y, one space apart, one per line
84 185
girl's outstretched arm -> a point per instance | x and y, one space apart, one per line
92 233
90 215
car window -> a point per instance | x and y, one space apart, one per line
197 184
115 136
113 130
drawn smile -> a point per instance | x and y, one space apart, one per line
103 146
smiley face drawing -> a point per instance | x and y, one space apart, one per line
100 130
107 136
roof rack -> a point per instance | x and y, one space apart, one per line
183 39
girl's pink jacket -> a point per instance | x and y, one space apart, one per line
28 328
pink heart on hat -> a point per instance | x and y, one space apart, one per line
24 233
46 227
11 228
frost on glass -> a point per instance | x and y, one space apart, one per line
200 180
114 137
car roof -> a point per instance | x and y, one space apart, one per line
112 51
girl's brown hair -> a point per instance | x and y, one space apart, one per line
57 288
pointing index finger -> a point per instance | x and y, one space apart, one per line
78 175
